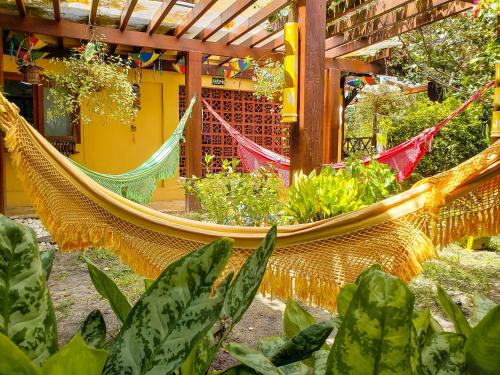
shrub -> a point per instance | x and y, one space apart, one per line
320 196
178 311
241 199
459 140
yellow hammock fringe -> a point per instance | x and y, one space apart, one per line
311 261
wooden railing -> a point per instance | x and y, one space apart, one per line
353 145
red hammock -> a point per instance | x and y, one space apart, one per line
403 158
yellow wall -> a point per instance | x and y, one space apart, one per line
114 148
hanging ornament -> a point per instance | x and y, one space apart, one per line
180 66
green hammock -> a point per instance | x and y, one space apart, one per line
139 184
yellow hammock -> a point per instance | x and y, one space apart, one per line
311 261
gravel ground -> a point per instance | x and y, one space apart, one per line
461 273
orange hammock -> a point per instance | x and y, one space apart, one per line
311 261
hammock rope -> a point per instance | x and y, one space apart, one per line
140 183
403 158
311 261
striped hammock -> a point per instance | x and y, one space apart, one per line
139 184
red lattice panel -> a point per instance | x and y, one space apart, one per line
257 119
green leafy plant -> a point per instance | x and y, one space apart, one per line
234 198
379 332
93 80
319 196
269 80
178 310
459 140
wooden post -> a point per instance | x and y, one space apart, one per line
306 146
194 124
333 124
3 188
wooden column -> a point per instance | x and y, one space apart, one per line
333 129
3 188
194 124
306 146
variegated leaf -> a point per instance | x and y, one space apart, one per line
13 361
253 359
375 335
270 345
304 344
26 313
239 297
320 361
108 289
172 315
482 305
483 345
93 329
296 318
344 298
456 315
443 354
47 258
76 358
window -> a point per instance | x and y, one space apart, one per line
33 101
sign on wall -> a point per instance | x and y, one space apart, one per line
218 81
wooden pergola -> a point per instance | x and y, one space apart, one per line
240 30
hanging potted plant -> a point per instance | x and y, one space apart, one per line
92 79
27 51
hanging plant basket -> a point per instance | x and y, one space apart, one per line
31 74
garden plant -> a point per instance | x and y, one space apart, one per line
183 318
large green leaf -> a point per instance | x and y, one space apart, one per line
108 289
238 298
482 305
320 361
271 345
483 345
172 315
443 354
375 335
253 358
422 326
236 370
296 318
453 311
246 284
93 329
47 258
13 361
304 344
26 311
76 358
344 298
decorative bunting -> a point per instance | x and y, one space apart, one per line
144 59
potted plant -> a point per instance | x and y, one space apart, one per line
92 78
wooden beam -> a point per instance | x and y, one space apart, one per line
380 8
192 17
234 10
401 14
306 143
21 8
354 66
259 37
3 187
194 124
275 43
110 35
160 14
398 28
257 19
333 124
93 11
56 4
127 13
345 7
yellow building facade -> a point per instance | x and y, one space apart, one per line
110 147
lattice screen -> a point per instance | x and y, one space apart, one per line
256 119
